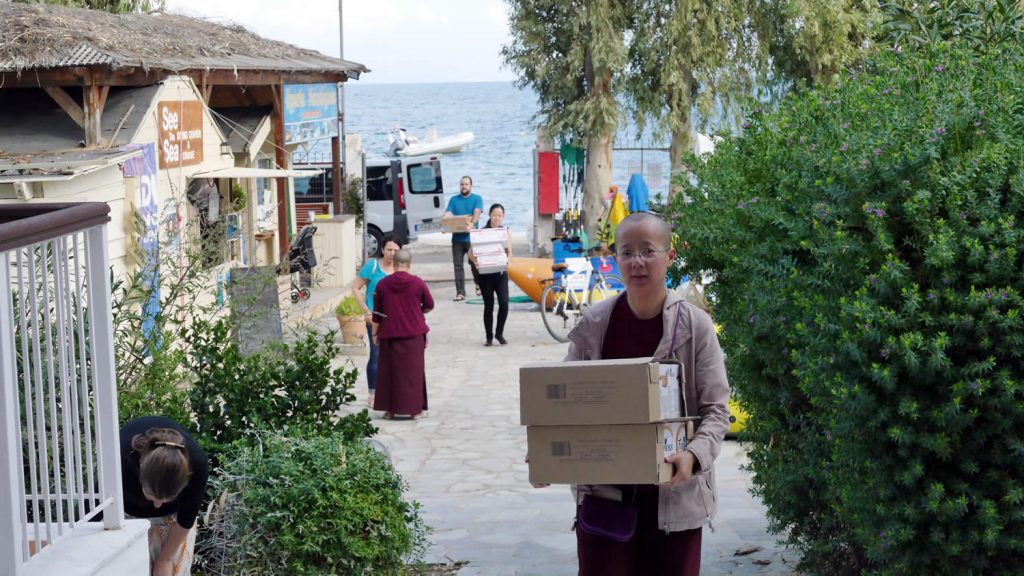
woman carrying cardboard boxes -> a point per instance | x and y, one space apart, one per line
494 285
653 529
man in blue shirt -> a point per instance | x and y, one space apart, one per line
471 205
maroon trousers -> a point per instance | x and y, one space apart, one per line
650 552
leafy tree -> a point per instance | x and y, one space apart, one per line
114 6
810 41
571 53
701 54
978 23
867 256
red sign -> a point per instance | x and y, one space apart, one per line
179 128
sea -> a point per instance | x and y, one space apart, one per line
500 158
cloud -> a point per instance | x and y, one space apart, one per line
400 40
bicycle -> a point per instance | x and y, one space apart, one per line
565 297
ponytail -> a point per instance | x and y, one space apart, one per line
163 462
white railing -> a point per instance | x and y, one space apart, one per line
59 444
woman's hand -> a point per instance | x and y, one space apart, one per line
683 466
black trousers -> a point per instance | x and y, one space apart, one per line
459 252
492 285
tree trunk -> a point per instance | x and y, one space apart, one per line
682 135
598 180
682 143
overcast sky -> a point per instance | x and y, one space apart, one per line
399 40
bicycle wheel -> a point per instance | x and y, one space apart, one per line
559 312
605 286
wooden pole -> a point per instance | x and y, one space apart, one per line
336 168
282 189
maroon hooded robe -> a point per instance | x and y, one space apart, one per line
398 304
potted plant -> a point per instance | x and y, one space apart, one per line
350 319
238 198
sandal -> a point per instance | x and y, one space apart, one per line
477 290
389 416
459 298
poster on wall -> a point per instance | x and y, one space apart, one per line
310 112
179 128
143 167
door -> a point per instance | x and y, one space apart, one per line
424 193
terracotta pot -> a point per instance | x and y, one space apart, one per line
353 329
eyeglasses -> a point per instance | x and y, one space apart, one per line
646 254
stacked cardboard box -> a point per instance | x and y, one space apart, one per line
455 224
603 421
489 249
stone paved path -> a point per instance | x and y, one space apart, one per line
464 460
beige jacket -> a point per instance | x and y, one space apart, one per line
706 388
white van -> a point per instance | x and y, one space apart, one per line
403 196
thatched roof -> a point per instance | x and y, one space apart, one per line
42 36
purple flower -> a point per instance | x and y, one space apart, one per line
932 296
977 123
752 319
886 91
975 386
962 216
878 151
757 110
745 125
940 130
933 139
988 295
1003 295
843 147
864 163
846 125
873 280
939 68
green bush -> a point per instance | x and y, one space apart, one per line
234 395
348 307
312 506
867 264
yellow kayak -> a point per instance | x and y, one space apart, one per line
527 274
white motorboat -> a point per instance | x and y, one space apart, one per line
404 144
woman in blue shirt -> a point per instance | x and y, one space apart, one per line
363 289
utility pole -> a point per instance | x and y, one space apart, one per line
341 99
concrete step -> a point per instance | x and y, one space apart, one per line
92 551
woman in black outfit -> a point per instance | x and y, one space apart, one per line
495 283
163 476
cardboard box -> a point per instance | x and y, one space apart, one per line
619 454
627 391
455 224
491 263
489 246
677 433
671 396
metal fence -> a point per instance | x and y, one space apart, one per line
58 400
647 157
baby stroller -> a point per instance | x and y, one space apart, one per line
301 259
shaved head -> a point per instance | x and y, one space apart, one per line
656 223
403 258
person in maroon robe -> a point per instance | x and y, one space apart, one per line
400 328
